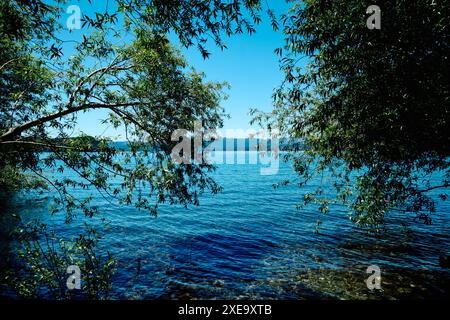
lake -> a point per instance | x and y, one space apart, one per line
251 242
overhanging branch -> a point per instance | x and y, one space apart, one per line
16 131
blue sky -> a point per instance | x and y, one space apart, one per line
249 65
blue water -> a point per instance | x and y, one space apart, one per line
247 240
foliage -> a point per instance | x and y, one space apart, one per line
42 261
194 22
144 85
370 107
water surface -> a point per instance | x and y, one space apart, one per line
251 242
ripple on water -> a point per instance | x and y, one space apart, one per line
251 242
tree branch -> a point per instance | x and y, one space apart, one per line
445 185
15 131
89 76
8 62
36 144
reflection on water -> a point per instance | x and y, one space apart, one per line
251 242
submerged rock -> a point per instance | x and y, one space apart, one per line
395 284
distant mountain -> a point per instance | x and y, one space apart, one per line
235 144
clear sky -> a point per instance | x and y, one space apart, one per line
249 65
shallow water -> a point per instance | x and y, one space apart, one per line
250 242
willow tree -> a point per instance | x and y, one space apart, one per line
370 107
143 84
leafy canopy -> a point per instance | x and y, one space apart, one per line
124 65
369 107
